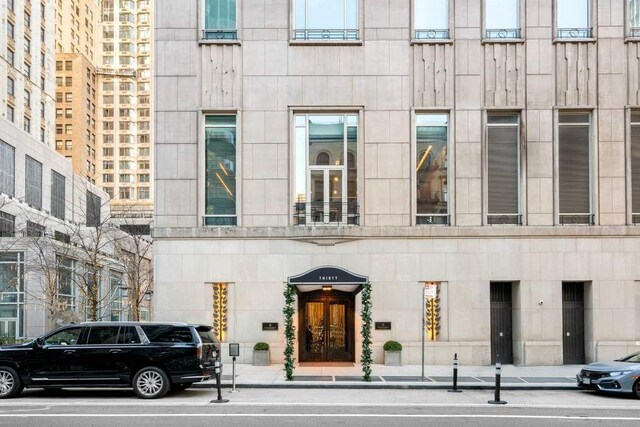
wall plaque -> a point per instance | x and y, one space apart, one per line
383 326
270 326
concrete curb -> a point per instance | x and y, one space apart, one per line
390 386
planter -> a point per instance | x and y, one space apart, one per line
393 358
261 358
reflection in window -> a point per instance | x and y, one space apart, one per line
634 18
573 18
431 19
432 196
326 20
67 337
502 19
220 170
220 20
326 169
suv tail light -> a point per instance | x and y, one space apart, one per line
199 352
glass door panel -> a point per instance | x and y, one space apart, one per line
315 332
336 201
337 327
316 196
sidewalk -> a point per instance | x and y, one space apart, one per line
408 376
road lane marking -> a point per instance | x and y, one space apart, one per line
218 415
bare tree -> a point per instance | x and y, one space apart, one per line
135 251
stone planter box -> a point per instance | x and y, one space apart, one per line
393 358
261 358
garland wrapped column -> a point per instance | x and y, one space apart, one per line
289 330
366 358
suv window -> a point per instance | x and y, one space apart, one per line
66 337
128 335
207 336
103 335
168 333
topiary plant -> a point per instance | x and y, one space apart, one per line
392 346
261 346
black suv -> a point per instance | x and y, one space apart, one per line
153 358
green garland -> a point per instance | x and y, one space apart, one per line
289 329
366 358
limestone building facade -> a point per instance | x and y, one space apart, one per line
483 151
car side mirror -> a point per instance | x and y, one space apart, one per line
39 342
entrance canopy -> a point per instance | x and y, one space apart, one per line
328 278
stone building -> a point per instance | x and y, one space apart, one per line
483 150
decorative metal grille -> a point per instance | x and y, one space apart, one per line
220 310
432 34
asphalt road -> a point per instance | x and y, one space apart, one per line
312 407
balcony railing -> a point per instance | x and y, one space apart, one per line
220 34
502 33
329 213
634 32
504 219
577 219
575 33
433 219
326 35
635 219
432 34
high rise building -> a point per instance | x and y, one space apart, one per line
124 107
472 160
26 48
76 97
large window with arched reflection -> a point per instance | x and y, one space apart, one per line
220 170
326 173
432 191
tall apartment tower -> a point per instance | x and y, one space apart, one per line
26 65
124 107
76 29
476 161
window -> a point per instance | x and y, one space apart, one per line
326 20
11 56
107 177
35 230
27 45
93 209
7 225
66 290
68 129
125 193
66 337
574 157
68 81
58 195
502 19
634 18
326 188
635 166
12 292
503 141
27 99
103 335
27 20
10 30
26 68
68 97
220 20
432 168
573 19
126 177
10 113
143 193
107 164
220 170
116 295
431 19
26 124
167 334
33 182
143 177
11 88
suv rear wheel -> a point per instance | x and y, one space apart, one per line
10 384
150 383
636 389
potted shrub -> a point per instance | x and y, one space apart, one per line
392 353
261 354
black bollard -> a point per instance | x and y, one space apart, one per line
455 375
218 371
496 398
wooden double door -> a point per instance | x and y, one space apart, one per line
326 322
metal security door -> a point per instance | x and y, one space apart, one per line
501 323
573 323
